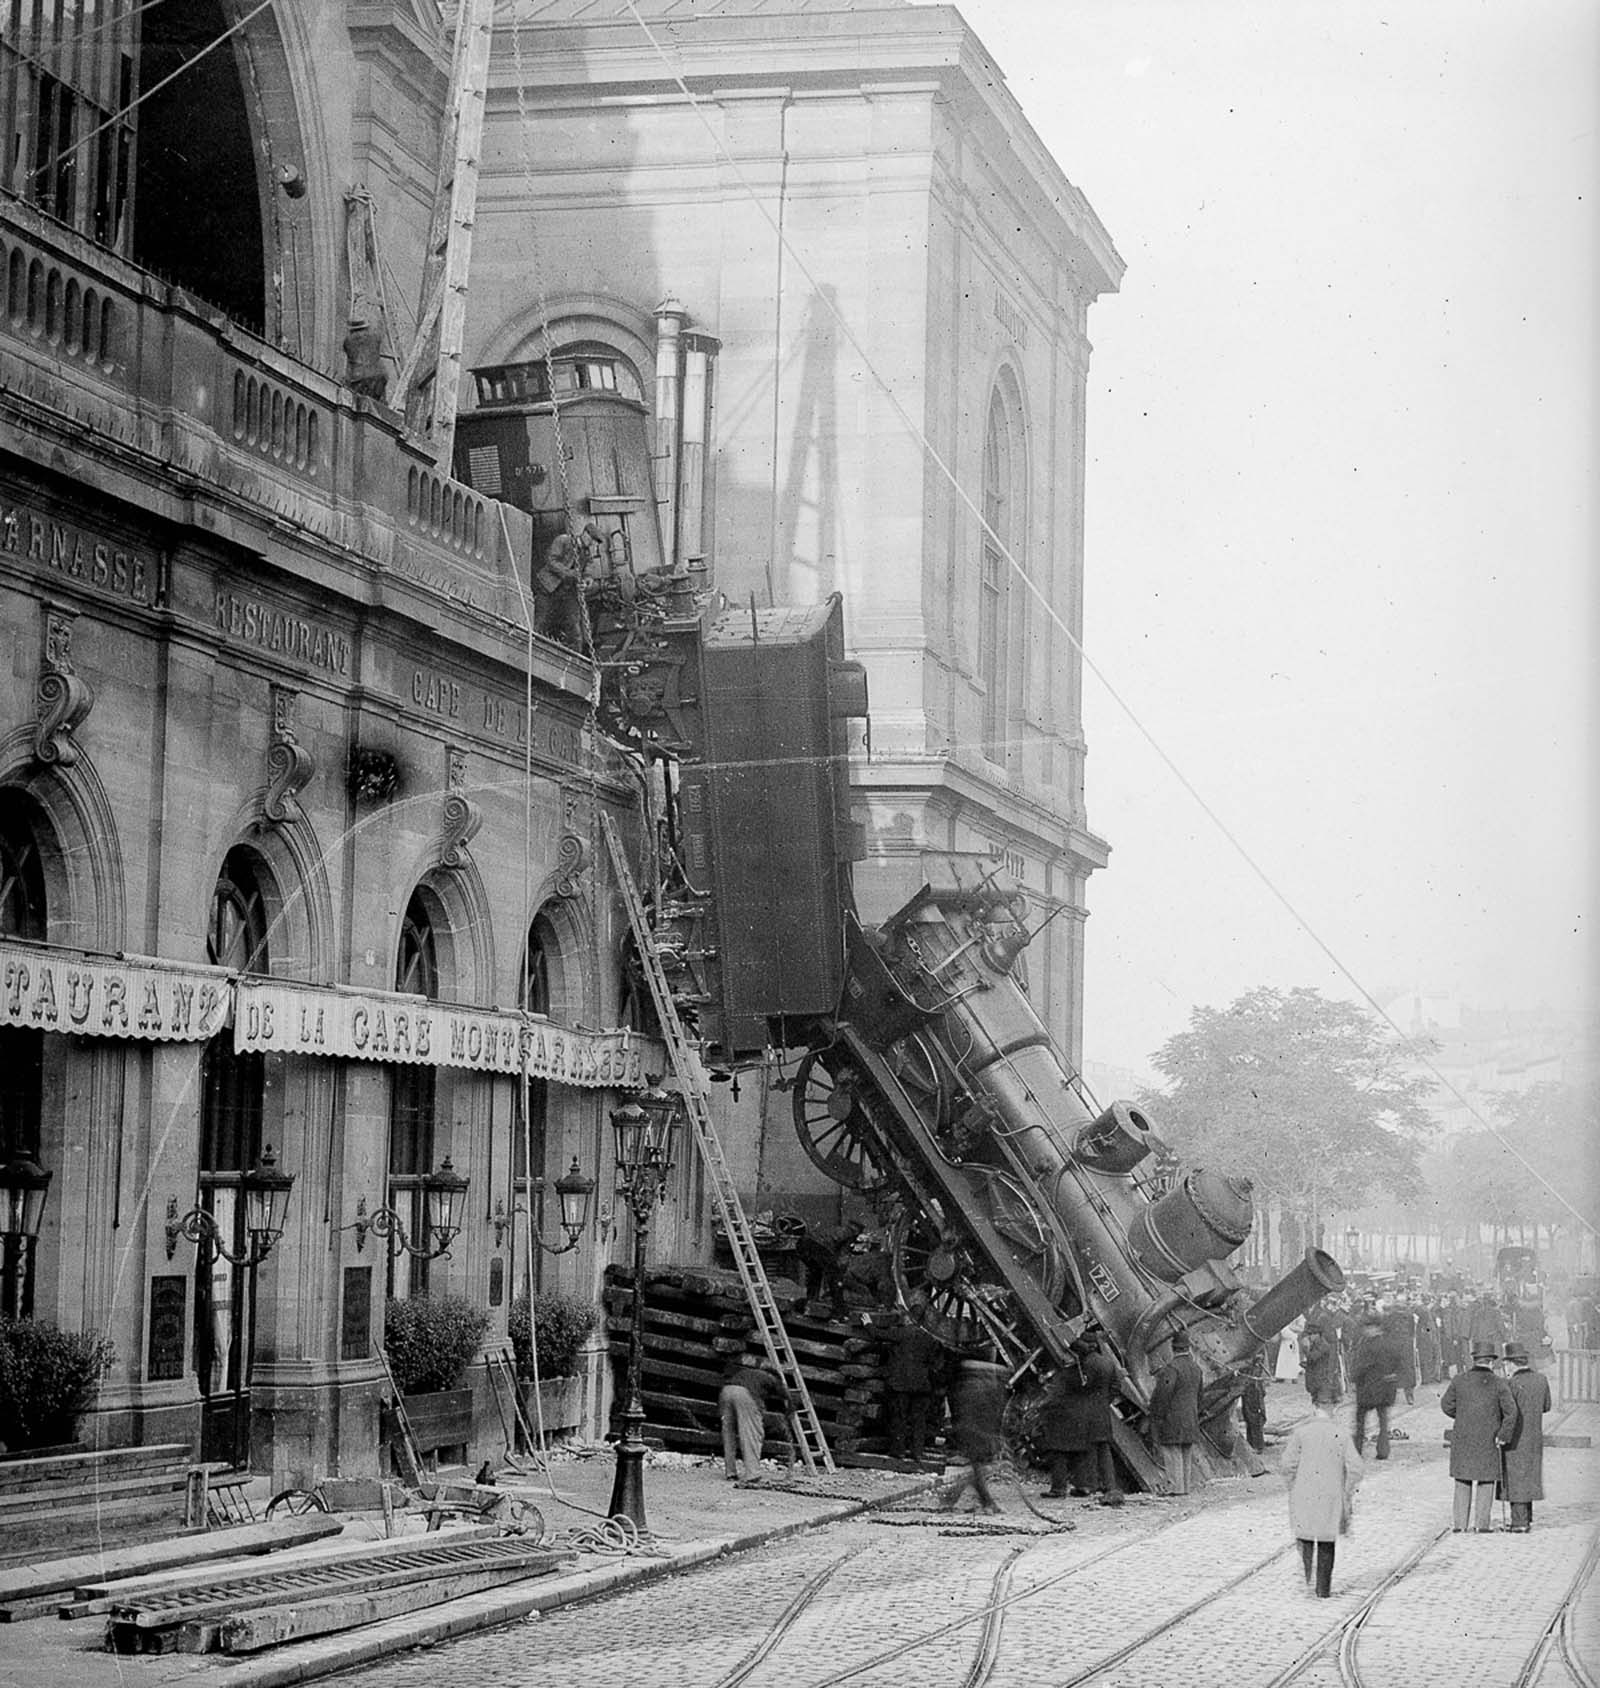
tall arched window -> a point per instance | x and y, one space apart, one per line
413 1101
232 1099
22 915
1005 513
542 947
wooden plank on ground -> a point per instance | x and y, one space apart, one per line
49 1576
81 1470
35 1502
249 1632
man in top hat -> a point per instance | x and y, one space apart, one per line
1485 1412
1522 1480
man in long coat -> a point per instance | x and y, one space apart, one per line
1075 1424
1453 1322
1428 1342
1175 1414
1486 1324
977 1409
1323 1467
1523 1478
1400 1326
1485 1412
1375 1373
912 1378
1319 1354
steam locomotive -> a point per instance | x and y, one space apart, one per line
1021 1212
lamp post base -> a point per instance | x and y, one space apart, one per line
627 1492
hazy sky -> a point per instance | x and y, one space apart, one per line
1341 519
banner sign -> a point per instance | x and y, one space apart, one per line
58 991
311 1020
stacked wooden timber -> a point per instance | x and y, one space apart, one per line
696 1318
92 1496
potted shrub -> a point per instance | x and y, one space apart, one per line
48 1381
555 1333
430 1341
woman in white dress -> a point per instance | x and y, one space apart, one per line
1288 1367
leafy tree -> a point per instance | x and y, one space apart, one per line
1311 1099
1475 1179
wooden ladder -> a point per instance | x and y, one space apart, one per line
686 1068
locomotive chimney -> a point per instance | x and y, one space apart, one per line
1319 1274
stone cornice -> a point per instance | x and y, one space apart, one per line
896 50
1047 830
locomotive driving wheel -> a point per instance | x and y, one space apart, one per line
913 1062
1015 1215
937 1281
945 1288
833 1122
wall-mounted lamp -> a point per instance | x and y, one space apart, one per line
266 1204
23 1186
442 1193
574 1191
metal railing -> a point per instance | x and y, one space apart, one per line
1577 1375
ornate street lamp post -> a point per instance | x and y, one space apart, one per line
645 1132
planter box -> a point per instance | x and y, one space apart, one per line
559 1399
441 1420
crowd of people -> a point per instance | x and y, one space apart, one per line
1484 1347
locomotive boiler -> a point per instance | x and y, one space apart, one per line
1020 1212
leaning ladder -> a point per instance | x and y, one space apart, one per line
752 1274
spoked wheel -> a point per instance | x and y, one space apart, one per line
832 1121
913 1062
291 1503
944 1290
1014 1213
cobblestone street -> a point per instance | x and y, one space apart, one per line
1160 1594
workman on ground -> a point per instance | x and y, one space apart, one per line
750 1389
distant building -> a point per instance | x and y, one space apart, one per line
1483 1053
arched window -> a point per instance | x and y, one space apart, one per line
233 1089
22 915
196 162
1005 515
528 1134
413 1101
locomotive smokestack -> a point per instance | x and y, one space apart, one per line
1319 1274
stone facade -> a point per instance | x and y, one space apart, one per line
288 858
